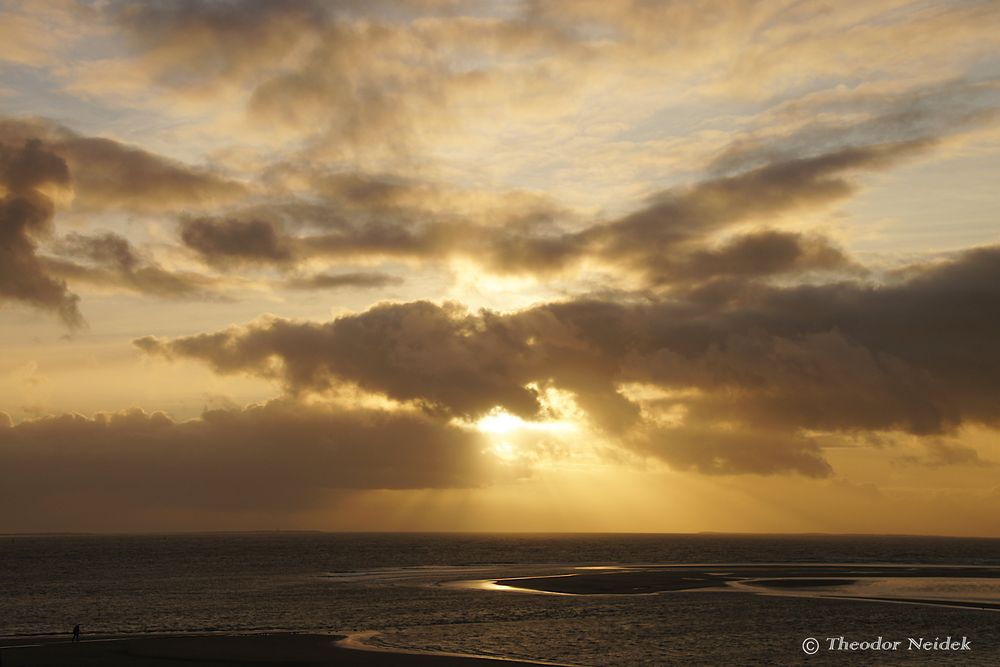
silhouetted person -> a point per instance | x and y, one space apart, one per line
76 633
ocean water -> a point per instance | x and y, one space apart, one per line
404 586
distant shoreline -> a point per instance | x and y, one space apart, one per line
538 533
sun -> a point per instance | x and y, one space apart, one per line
501 423
510 434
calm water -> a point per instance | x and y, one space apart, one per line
397 584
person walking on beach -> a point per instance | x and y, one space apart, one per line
76 632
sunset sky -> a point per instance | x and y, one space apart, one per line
570 265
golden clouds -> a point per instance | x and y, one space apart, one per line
770 367
657 200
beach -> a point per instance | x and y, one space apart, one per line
307 599
222 650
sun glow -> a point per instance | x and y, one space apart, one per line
501 422
516 439
505 450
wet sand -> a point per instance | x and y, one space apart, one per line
221 651
799 578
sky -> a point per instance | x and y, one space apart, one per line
533 265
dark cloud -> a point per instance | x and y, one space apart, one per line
110 260
714 451
227 241
648 238
755 255
108 248
26 174
373 192
387 238
670 240
440 358
37 158
916 355
361 279
109 174
278 456
353 216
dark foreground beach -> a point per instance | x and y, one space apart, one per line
222 651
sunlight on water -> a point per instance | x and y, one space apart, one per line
972 590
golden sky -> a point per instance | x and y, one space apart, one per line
524 265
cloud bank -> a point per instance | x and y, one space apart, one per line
279 455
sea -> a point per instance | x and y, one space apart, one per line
419 592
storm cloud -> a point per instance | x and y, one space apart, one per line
279 455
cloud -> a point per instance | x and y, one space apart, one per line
675 216
109 259
943 453
40 160
915 355
108 174
672 239
345 78
756 254
870 113
193 44
26 174
713 451
281 456
37 34
229 241
438 357
360 279
355 216
365 81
